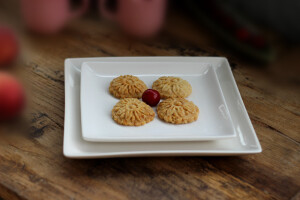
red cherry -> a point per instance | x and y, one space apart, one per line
258 41
228 23
151 97
242 34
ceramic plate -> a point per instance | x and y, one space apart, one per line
214 121
246 141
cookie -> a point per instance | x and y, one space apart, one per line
132 112
177 111
127 86
172 87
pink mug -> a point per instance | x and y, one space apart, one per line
141 18
49 16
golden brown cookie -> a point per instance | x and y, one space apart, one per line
172 87
127 86
177 111
132 112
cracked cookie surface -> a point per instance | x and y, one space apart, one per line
172 87
127 86
177 111
132 112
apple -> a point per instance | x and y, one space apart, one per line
12 98
8 46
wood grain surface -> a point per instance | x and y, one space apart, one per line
32 165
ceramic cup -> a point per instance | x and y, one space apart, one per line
141 18
49 16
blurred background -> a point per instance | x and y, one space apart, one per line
259 38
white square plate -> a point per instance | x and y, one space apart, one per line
246 141
214 121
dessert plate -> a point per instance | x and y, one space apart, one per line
246 141
214 121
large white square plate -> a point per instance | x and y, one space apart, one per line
246 141
214 121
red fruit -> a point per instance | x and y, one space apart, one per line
151 97
228 23
8 46
242 34
11 97
258 41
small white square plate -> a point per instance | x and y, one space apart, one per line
214 121
246 141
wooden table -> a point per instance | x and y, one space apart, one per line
32 165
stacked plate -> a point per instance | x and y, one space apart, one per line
223 126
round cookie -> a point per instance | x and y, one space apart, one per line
127 86
177 111
132 112
172 87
